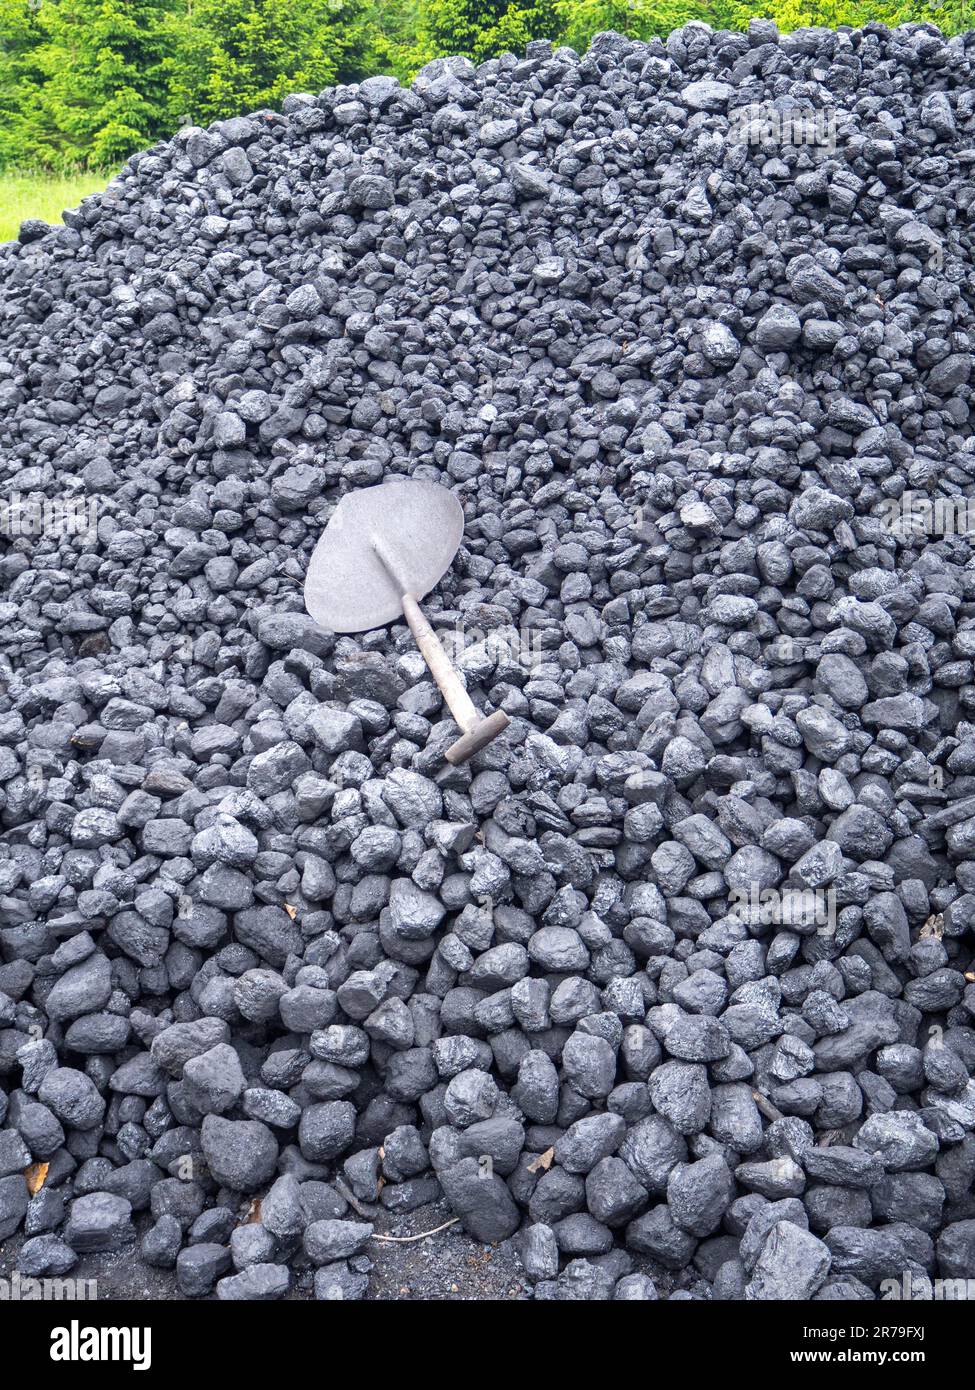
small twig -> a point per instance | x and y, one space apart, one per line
353 1200
404 1240
830 1137
766 1107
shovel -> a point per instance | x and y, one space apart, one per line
383 550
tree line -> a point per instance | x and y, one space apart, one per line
86 83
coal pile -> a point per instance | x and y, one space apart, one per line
673 984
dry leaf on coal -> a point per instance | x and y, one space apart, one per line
35 1176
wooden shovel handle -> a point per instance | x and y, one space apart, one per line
441 667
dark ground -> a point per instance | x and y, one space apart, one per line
449 1266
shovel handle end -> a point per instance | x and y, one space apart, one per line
483 733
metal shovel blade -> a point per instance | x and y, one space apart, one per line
417 524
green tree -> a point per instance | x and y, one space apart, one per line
952 17
479 29
638 19
390 28
103 90
232 56
20 78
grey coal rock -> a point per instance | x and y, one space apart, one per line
240 1154
671 985
338 1282
45 1256
258 1283
328 1241
99 1221
792 1265
482 1201
198 1268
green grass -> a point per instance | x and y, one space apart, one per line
25 194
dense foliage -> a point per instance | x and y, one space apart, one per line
90 81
